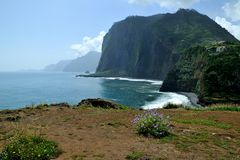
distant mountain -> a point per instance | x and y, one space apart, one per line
85 63
212 71
149 47
58 67
88 62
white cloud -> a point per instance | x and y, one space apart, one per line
232 28
232 10
89 44
166 3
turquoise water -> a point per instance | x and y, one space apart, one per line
18 90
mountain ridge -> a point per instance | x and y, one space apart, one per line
149 47
85 63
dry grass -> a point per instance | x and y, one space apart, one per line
87 133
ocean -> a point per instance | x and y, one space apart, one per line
21 89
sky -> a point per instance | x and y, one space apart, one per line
35 33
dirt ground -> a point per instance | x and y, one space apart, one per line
90 133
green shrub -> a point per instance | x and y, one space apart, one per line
152 124
233 109
224 107
134 156
29 148
173 106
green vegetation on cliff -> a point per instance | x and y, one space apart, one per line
148 47
212 71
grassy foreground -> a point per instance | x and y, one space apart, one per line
95 133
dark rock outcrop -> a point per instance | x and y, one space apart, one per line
99 103
60 105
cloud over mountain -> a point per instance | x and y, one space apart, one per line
89 44
232 10
233 29
166 3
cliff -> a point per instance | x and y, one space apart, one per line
148 47
212 71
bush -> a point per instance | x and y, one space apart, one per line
223 107
134 156
29 148
172 106
152 124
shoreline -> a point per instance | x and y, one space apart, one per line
193 98
155 83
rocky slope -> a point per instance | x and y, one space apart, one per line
148 47
212 71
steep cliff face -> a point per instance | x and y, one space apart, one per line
148 47
212 71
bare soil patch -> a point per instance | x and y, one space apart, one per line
95 133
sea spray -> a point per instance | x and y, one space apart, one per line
166 98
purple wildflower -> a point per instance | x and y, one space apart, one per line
152 123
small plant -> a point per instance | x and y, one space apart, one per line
152 124
41 106
134 156
224 107
30 148
172 106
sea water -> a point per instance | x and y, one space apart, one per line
18 89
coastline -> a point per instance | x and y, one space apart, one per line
20 99
193 97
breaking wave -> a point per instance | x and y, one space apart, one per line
154 82
166 98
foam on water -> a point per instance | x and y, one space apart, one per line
166 98
24 89
154 82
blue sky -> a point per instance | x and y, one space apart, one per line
34 33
